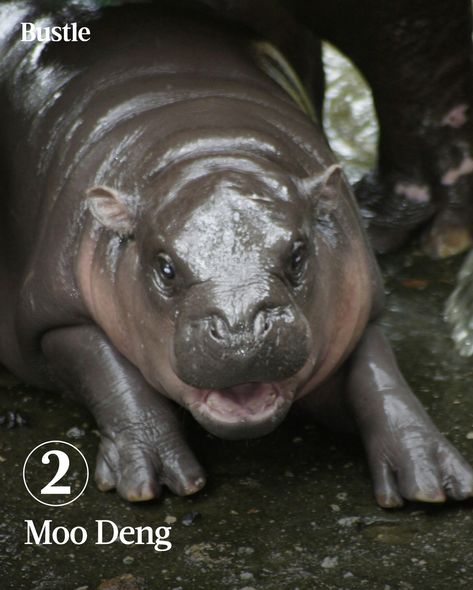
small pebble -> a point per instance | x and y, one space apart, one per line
349 521
128 560
245 551
170 519
246 576
11 419
469 436
75 432
123 582
415 283
329 562
190 518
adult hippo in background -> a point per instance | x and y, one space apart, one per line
174 229
416 56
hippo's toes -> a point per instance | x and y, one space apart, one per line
449 234
138 465
395 209
420 471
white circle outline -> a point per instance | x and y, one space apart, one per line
63 442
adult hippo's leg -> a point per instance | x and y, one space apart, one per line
417 58
408 457
142 446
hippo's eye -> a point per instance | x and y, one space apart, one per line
165 268
298 260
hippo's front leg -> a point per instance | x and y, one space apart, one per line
408 456
142 446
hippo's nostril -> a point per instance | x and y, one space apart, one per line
263 323
217 328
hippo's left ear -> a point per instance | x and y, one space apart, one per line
326 185
112 209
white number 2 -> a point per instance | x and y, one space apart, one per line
63 466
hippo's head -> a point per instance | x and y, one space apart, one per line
232 316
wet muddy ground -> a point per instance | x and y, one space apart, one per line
293 510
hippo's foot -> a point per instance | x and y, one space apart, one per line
408 456
142 447
410 459
138 458
450 232
397 208
392 210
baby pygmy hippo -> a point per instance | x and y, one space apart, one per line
174 229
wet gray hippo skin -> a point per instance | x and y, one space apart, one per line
459 309
417 58
174 229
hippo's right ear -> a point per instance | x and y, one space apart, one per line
326 184
112 209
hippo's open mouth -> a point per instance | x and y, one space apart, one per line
242 411
249 400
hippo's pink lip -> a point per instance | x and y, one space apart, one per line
248 401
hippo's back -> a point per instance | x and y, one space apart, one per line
146 83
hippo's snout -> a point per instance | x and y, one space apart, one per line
224 334
212 352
